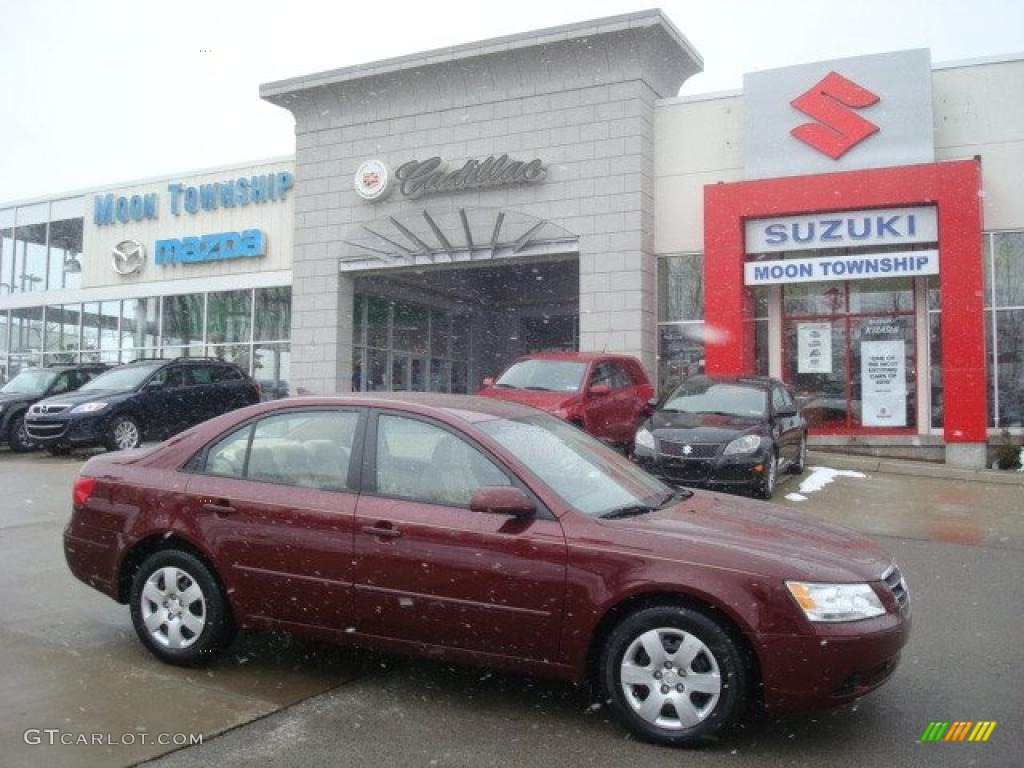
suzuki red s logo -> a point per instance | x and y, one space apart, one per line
831 102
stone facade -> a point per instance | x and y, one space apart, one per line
580 97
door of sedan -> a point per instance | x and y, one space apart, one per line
275 500
787 425
431 570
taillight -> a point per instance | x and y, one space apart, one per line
82 489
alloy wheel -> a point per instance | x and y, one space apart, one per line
173 607
670 678
126 435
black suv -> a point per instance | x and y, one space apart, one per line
147 398
32 385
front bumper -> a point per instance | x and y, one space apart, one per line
725 472
65 429
835 664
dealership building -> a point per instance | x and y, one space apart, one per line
854 227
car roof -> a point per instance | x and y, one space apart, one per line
580 357
750 380
468 408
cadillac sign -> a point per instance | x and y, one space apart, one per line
417 178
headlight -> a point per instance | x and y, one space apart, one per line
745 444
88 407
644 439
836 602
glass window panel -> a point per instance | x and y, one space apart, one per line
438 375
681 288
680 353
1009 268
460 378
1010 366
990 368
238 354
228 317
62 328
27 330
440 330
110 356
358 355
271 368
309 448
273 314
5 328
227 457
140 321
183 319
986 259
376 370
935 376
358 307
193 350
813 299
6 261
460 337
377 313
935 296
400 367
894 294
65 254
99 325
410 328
30 258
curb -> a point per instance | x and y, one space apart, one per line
915 468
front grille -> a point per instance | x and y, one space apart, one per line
45 429
56 408
696 472
696 450
897 585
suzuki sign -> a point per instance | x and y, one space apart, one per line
842 229
864 112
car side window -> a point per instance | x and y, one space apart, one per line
227 456
170 377
311 449
200 374
620 378
63 383
779 400
602 374
422 462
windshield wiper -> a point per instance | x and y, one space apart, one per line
541 389
628 510
676 494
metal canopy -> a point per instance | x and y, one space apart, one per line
426 238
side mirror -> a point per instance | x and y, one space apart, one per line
600 390
502 500
489 381
650 407
153 385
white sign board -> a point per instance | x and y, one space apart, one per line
883 376
814 348
852 267
864 112
843 229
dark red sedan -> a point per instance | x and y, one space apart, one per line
486 532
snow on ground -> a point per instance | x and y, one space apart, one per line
819 478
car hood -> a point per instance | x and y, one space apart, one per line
758 537
17 397
546 401
701 427
77 398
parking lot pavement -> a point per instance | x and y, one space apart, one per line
72 662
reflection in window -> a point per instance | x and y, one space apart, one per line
1010 366
273 314
6 261
228 317
231 353
681 288
30 258
1008 267
62 329
410 328
271 365
183 319
680 353
140 322
65 254
99 327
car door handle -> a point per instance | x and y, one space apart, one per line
381 531
220 507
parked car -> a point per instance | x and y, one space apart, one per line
486 532
30 386
149 399
605 395
734 433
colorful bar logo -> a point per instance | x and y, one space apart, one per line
958 730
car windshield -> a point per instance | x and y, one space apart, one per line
29 383
544 375
120 379
729 399
585 473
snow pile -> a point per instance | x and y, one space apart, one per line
819 478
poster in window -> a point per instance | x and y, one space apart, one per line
883 375
814 347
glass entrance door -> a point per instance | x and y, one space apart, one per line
849 354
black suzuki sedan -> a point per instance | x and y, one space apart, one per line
731 433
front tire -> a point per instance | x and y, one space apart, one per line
179 610
771 475
674 675
797 467
124 434
17 436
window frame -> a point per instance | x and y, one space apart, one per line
369 462
196 464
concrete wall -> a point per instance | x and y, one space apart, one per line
581 98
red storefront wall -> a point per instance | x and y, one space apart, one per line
955 189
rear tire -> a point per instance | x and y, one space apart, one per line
674 675
179 610
17 437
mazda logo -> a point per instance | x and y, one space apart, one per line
128 257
